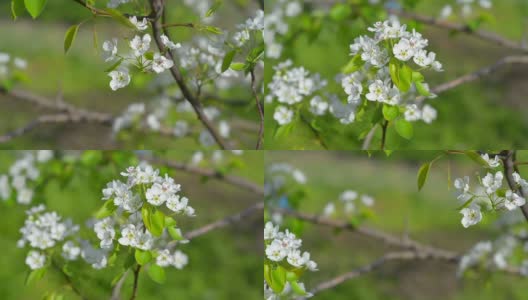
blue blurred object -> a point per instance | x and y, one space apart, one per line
284 203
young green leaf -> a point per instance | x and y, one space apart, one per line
114 66
142 257
145 214
71 33
278 276
106 210
394 71
404 128
422 90
422 174
213 9
157 273
228 59
17 8
35 275
238 66
175 234
390 112
119 17
157 222
35 7
405 76
298 289
353 65
475 156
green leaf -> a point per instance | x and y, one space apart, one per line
35 7
405 75
119 17
169 221
142 257
213 29
157 222
71 33
390 112
299 290
340 12
114 66
475 156
106 210
213 9
417 76
466 204
238 66
404 128
228 58
17 8
353 65
283 130
422 174
278 276
35 275
145 214
394 70
422 90
157 273
175 233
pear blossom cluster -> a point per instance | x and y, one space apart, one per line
44 230
496 255
279 175
126 227
284 248
490 193
464 8
276 25
22 174
371 81
350 203
215 158
155 117
289 87
250 26
138 56
9 63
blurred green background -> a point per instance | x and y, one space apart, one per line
429 216
81 79
223 264
491 111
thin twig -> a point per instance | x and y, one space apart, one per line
464 28
136 279
225 221
221 223
509 168
68 280
370 232
116 292
259 108
157 29
384 133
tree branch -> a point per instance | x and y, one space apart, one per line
136 279
225 221
234 180
509 169
481 34
372 233
157 29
